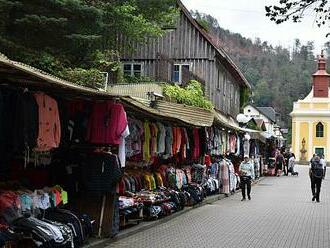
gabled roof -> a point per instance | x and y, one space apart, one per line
261 124
269 112
223 56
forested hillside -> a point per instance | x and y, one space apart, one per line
278 76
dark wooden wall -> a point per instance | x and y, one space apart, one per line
186 44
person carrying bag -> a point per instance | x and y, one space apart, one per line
246 170
316 173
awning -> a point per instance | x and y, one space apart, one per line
225 121
229 122
180 113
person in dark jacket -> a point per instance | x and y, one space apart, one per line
279 162
316 173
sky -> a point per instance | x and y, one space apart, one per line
247 17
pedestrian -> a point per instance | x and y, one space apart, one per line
246 170
312 159
324 163
316 174
292 159
279 161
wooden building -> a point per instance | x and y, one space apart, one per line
189 52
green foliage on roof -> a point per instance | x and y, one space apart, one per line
191 95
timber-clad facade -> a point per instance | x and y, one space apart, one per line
188 52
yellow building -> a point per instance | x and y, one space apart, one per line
311 118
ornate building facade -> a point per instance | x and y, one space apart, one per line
311 118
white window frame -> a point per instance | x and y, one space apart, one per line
132 67
180 70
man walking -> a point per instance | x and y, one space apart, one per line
246 170
316 174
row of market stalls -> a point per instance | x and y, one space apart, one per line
78 162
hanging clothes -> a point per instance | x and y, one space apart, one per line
232 176
168 141
196 152
49 134
238 146
224 177
75 120
135 139
232 143
246 147
184 140
176 140
224 142
203 141
122 147
26 124
107 123
217 144
146 143
153 139
161 138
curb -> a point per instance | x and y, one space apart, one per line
100 243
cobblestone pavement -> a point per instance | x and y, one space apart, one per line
281 214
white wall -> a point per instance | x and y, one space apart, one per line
251 112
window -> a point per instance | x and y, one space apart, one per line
319 151
319 130
224 81
180 71
219 81
133 69
176 73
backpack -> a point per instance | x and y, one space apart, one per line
317 169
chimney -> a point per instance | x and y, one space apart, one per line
321 78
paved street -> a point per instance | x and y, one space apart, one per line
280 214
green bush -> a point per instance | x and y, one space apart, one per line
90 78
191 95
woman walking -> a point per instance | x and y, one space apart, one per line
246 170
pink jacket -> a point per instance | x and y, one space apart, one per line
49 135
106 124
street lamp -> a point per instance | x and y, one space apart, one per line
242 119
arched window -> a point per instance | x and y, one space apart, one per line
319 130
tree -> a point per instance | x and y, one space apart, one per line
68 37
296 9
